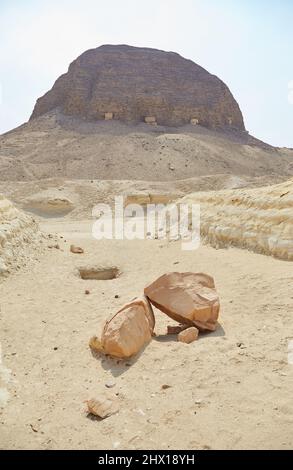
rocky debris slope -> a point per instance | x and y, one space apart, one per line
259 219
55 145
141 84
17 230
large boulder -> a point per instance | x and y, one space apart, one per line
127 331
138 84
189 298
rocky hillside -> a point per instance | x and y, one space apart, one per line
132 83
55 145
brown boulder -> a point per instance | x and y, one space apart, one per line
126 332
76 249
189 298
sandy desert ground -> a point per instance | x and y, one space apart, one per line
229 390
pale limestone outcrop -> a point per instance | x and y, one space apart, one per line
17 230
258 219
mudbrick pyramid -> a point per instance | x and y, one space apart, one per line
135 84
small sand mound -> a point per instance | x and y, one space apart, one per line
17 230
49 205
259 219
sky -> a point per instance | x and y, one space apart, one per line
246 43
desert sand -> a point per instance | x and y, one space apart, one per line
229 390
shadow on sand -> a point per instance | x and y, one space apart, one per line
117 366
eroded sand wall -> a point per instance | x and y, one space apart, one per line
259 219
17 230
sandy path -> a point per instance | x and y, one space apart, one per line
221 396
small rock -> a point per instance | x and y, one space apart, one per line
165 386
76 249
198 402
87 292
34 428
117 296
110 384
175 329
102 407
189 335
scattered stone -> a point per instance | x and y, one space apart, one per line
165 387
189 335
175 329
117 296
76 249
57 247
110 384
199 401
127 331
34 428
188 298
102 407
87 292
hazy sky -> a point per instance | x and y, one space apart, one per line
247 43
